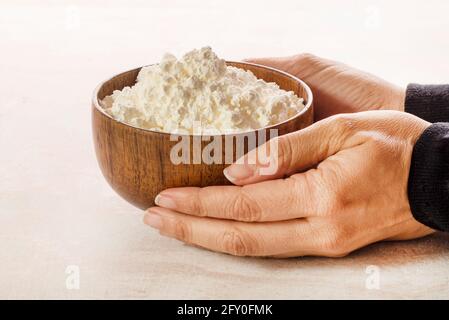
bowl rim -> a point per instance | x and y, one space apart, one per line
307 106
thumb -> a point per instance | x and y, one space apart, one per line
295 152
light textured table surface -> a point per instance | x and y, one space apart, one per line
58 215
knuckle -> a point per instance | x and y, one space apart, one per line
309 188
182 231
330 194
345 122
383 147
334 204
237 243
338 254
198 204
306 57
382 144
244 208
335 242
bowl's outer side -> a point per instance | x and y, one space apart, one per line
136 163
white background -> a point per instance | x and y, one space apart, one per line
56 210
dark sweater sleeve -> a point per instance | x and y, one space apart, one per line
428 102
428 185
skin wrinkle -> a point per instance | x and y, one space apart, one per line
285 151
201 209
314 66
182 231
310 199
244 208
293 198
238 243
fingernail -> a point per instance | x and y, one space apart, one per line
165 201
153 220
238 172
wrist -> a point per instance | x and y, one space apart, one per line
395 99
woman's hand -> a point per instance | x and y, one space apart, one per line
338 88
346 188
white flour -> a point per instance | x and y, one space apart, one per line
173 94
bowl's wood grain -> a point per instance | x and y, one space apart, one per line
136 162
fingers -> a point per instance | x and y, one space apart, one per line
298 63
276 200
338 88
303 65
236 238
295 152
281 63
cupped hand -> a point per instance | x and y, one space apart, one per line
337 186
338 88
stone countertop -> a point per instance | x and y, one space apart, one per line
58 216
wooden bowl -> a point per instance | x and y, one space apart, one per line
136 162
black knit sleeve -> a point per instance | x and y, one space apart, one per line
428 185
428 102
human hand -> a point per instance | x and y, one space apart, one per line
338 88
346 188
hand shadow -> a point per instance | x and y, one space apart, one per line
387 253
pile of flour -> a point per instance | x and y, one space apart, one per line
199 91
